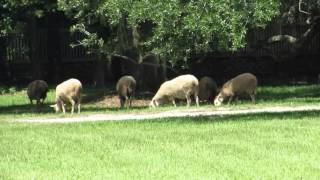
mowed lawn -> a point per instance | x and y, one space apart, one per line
272 146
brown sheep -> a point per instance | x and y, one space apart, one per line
242 85
181 87
126 87
37 90
207 89
68 91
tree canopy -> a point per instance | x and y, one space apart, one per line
299 12
178 29
173 29
14 14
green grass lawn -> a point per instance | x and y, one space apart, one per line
271 146
256 146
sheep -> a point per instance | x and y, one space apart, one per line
242 85
37 90
126 87
68 91
207 89
181 87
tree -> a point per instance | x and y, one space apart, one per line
21 16
180 28
174 30
298 12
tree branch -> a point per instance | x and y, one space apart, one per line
125 57
300 10
287 38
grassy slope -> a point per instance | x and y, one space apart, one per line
271 146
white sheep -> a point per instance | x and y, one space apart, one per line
68 91
181 87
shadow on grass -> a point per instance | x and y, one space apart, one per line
95 95
282 93
46 109
250 117
26 109
112 109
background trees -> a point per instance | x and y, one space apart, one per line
172 29
171 32
299 12
21 16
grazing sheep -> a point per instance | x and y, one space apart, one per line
242 85
68 91
207 89
37 90
181 87
126 87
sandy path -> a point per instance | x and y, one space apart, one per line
192 112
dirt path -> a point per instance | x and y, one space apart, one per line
192 112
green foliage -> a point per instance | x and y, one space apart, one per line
180 28
15 13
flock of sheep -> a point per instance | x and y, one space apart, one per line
181 87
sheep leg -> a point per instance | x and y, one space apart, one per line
173 102
42 101
79 107
31 102
236 100
253 99
188 101
122 102
230 99
127 102
196 97
130 101
72 105
62 106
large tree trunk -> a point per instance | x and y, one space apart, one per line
34 47
163 70
4 65
99 77
108 72
53 47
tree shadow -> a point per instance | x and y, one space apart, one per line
266 116
286 93
104 109
95 95
26 109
